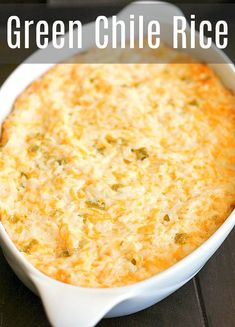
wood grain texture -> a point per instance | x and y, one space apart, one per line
20 1
179 309
18 306
217 286
95 3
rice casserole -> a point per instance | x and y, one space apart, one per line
111 173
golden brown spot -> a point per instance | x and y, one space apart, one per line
140 153
110 139
116 187
30 246
166 218
100 149
96 204
22 174
14 219
133 261
62 161
194 103
181 238
33 149
63 253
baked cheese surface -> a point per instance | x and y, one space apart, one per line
111 173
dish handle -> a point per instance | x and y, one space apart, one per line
68 305
152 10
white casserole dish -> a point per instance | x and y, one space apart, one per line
68 305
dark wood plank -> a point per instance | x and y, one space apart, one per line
5 70
25 1
217 285
123 2
179 309
90 3
18 306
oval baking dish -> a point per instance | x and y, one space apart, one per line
68 305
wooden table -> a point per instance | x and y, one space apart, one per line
207 300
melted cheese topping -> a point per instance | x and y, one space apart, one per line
111 173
